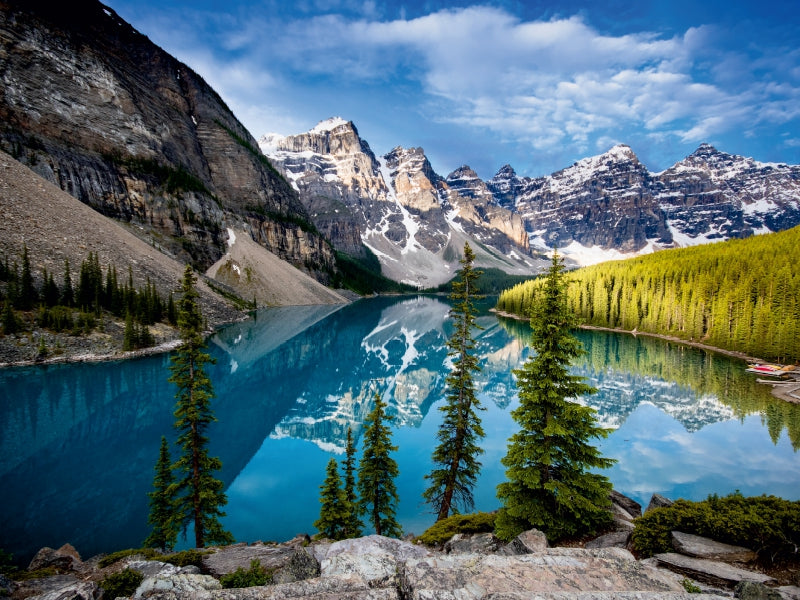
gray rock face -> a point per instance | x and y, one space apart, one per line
374 559
176 586
630 506
658 501
557 571
64 560
60 587
701 547
473 543
750 590
708 571
96 108
615 539
396 205
290 561
527 542
612 201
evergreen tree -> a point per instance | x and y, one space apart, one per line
549 486
376 473
334 511
130 338
10 322
456 467
199 494
353 524
27 295
67 293
50 292
162 503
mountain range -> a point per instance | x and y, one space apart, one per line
602 207
94 107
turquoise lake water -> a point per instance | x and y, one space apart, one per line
78 442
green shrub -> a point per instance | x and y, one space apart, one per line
255 575
185 558
147 553
690 586
441 531
766 524
123 583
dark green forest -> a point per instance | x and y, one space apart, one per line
741 295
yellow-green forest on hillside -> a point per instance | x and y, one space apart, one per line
741 295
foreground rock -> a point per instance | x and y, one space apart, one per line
709 571
546 574
288 562
701 547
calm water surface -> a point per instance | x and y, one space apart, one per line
78 442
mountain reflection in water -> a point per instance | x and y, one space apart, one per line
78 442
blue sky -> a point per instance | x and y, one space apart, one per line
537 85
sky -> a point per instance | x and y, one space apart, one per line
537 85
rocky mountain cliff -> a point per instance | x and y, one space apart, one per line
605 206
93 106
411 218
610 204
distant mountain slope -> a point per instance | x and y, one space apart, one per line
415 221
55 226
254 273
95 107
610 205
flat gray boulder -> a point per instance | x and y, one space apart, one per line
712 572
658 501
630 506
59 587
373 558
276 557
555 572
180 585
702 547
337 587
527 542
473 543
615 539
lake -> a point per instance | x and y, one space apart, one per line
78 442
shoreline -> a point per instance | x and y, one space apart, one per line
786 391
87 357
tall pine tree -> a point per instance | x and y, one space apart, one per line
333 512
199 494
376 472
456 466
353 524
162 503
549 485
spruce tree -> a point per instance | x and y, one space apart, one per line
333 513
27 295
353 524
549 485
67 293
455 461
10 322
199 494
162 503
376 472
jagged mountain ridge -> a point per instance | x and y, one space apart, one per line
411 218
95 107
611 202
601 207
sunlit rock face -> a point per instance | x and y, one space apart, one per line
611 206
95 107
395 206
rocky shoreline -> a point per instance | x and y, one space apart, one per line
467 567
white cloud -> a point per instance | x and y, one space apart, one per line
543 83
